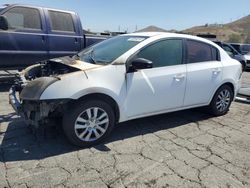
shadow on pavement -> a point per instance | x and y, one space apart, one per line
8 117
19 142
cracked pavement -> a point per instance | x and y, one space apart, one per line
182 149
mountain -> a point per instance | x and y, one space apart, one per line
152 28
237 31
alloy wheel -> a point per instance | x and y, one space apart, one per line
91 124
223 100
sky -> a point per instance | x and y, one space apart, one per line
121 15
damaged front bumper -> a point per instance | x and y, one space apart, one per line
16 88
15 103
35 112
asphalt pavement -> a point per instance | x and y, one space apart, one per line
183 149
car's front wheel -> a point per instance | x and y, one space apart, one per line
88 122
221 101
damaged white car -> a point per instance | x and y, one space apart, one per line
123 78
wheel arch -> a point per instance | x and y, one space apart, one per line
228 83
104 97
231 86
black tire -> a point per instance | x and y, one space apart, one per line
75 110
213 107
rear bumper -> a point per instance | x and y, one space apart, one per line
237 86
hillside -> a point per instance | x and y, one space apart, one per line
152 28
237 31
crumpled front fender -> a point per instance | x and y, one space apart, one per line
66 87
34 89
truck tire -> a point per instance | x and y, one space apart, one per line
88 123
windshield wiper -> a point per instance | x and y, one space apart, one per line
91 56
100 61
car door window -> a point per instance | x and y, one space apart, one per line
200 52
61 21
163 53
23 18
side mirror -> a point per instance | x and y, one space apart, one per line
4 23
141 63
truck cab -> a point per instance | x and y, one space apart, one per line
30 34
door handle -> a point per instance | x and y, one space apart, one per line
216 70
179 77
76 40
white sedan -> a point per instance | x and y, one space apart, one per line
127 77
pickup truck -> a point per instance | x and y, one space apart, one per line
30 34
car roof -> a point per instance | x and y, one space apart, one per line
144 34
166 34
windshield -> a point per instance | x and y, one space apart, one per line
109 50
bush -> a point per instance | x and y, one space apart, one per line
234 38
247 40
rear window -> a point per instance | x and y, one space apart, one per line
23 18
61 21
201 52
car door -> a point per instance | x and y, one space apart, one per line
162 87
204 72
25 41
64 38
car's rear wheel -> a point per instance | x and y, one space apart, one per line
88 122
221 101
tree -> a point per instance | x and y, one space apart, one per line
234 38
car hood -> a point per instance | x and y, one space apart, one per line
81 65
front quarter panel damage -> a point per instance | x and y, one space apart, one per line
66 87
38 113
34 89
